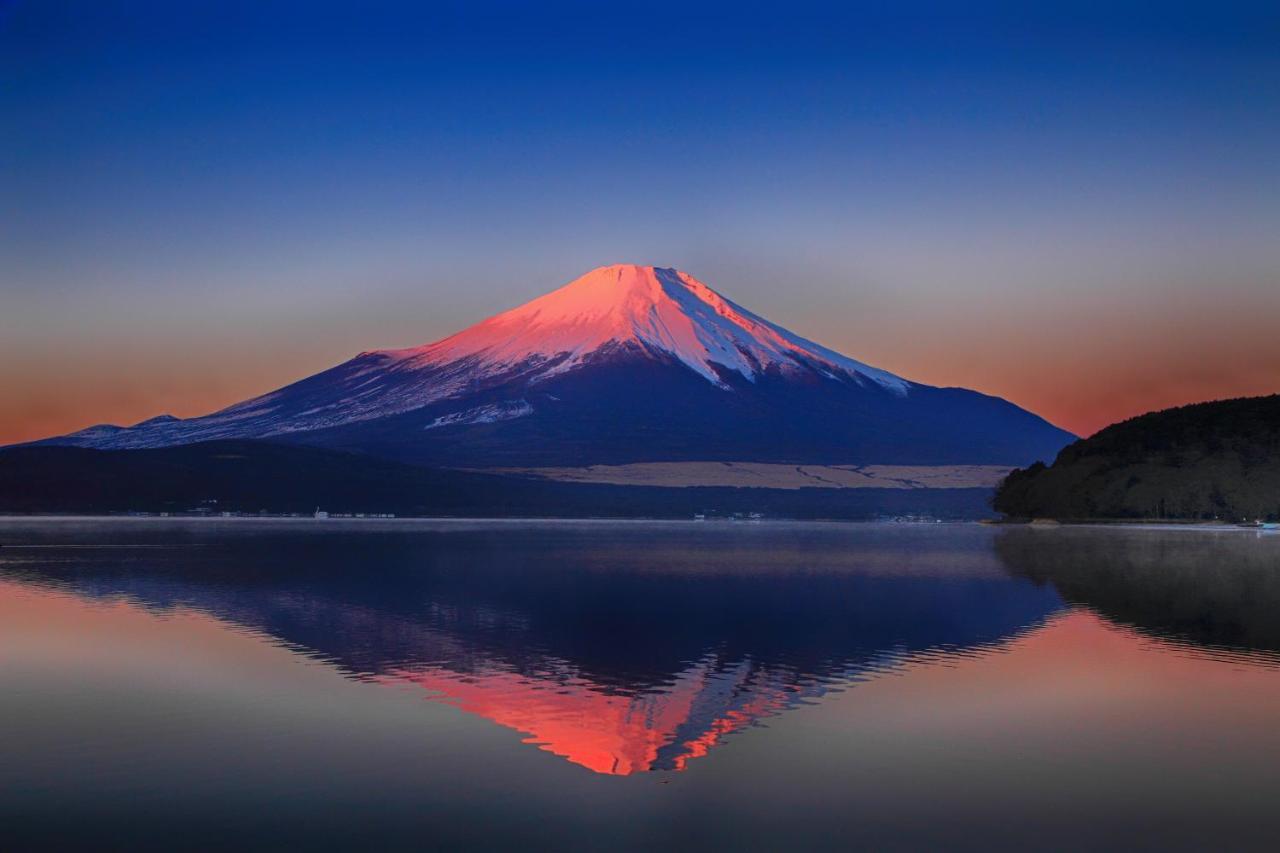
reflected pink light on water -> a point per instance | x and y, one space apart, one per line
610 732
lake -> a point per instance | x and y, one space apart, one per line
634 685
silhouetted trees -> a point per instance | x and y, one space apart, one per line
1208 461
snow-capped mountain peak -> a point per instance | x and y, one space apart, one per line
625 364
661 309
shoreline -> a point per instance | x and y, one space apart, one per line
1133 524
321 522
1147 523
405 521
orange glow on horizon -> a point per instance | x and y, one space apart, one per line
1093 365
68 403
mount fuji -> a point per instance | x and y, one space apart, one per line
627 364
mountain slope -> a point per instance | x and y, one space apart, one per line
625 364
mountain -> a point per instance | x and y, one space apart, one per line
1207 461
625 364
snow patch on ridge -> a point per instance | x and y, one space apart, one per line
504 411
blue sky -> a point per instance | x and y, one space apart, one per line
1072 206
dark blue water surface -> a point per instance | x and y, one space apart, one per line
168 683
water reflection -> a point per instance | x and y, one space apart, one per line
621 648
1212 590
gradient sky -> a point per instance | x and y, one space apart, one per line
1078 210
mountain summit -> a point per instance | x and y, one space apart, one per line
625 364
662 310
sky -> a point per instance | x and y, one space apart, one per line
1075 208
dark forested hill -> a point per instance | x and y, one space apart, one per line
1211 460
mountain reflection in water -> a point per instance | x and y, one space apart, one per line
622 648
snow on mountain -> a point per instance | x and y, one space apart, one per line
663 309
625 364
489 414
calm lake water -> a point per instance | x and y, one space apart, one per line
377 685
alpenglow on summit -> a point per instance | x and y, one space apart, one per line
625 364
